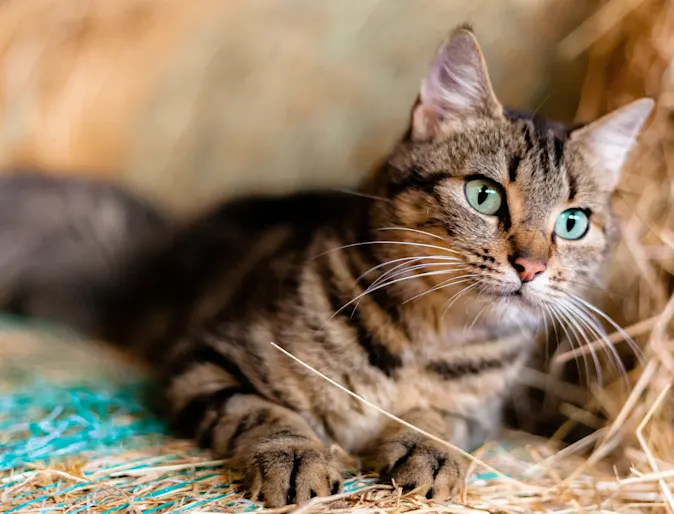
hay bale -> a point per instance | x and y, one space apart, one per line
193 100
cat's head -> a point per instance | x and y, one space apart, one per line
523 207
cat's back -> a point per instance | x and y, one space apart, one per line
239 259
232 230
304 210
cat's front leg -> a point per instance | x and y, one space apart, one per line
415 461
283 460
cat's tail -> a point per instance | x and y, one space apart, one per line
65 243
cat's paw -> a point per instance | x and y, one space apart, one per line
436 470
283 473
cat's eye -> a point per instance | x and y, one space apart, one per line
572 224
484 195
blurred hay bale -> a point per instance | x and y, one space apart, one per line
193 100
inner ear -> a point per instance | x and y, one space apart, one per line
456 89
608 141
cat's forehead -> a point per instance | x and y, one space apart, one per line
544 165
536 151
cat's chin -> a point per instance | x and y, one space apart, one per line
515 296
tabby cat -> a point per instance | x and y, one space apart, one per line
423 293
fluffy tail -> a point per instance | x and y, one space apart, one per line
65 241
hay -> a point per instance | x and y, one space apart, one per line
626 465
107 453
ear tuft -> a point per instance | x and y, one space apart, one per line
609 140
456 88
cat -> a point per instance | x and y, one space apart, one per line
423 293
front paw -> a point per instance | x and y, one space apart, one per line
284 472
436 470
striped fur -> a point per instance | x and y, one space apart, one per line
357 287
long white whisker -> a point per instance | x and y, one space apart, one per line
388 276
458 295
372 289
402 260
552 322
546 329
407 260
363 243
633 346
484 307
363 195
573 319
406 229
443 284
598 332
561 318
397 271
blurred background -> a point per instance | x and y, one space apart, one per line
189 101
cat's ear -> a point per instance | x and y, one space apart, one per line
607 142
456 88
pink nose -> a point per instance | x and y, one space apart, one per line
528 269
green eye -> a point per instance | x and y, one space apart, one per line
484 196
572 224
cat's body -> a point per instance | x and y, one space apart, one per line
422 294
263 272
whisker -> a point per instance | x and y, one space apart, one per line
592 323
393 261
633 346
458 295
560 317
404 260
553 323
408 243
442 285
423 232
362 195
546 330
395 271
409 269
573 319
484 307
372 289
387 276
611 294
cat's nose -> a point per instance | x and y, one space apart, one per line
528 269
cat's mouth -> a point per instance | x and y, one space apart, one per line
504 293
517 293
510 294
